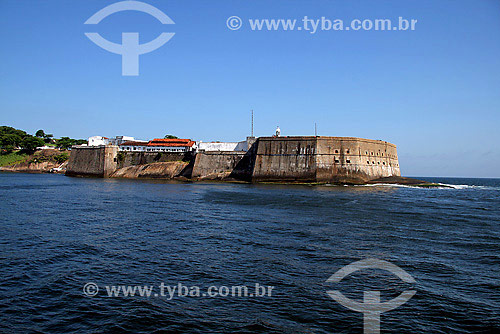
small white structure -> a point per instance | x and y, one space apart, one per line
45 147
118 140
278 131
222 147
97 141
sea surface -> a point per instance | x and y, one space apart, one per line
58 234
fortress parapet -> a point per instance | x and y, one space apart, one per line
268 159
324 159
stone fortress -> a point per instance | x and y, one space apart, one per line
293 159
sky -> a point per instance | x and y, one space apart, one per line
434 91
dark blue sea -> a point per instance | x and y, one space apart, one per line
58 234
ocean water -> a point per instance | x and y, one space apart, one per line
60 233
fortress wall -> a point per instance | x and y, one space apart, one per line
127 159
324 159
285 159
343 159
272 159
214 165
97 161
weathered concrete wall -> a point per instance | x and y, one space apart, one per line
272 159
347 159
126 159
102 161
215 165
285 159
98 161
324 159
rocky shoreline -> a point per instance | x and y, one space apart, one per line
44 162
174 171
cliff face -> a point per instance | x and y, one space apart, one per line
33 167
43 161
163 170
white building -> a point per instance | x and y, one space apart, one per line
97 141
118 140
222 147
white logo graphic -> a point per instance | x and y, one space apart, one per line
90 289
371 307
130 49
234 23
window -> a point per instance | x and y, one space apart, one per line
378 162
368 162
373 162
383 163
336 151
366 152
348 161
347 151
337 161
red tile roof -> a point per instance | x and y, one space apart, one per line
171 142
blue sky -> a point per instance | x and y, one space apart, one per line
434 92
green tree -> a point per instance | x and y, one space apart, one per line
40 134
48 138
65 142
81 141
60 158
10 139
170 137
5 130
30 143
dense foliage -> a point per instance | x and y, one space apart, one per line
14 139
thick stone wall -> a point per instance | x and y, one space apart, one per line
98 161
216 165
271 159
127 159
343 159
324 159
285 159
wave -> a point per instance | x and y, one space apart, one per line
439 186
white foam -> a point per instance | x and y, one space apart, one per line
443 186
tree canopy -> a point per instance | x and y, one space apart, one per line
40 134
30 143
12 139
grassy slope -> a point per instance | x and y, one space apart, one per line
12 158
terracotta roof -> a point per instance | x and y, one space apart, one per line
171 142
